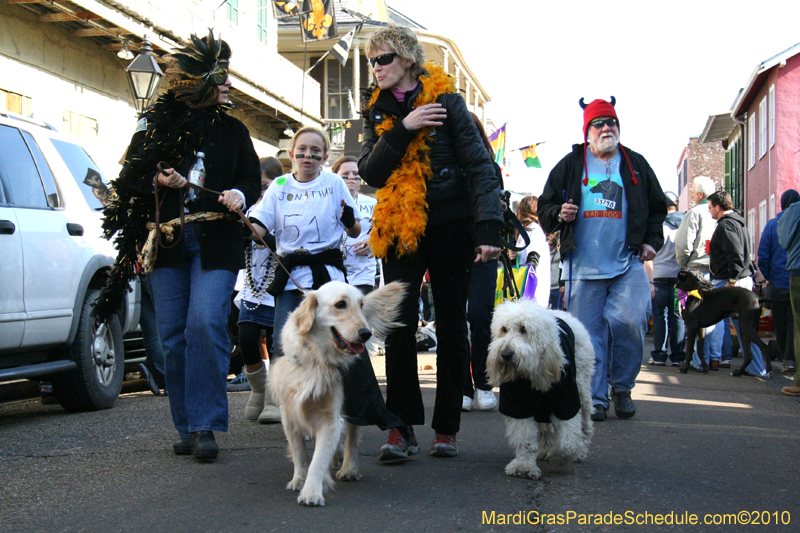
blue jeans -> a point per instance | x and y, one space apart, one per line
192 307
152 342
284 304
667 323
614 311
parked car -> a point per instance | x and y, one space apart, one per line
53 264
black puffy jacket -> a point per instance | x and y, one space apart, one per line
463 186
730 249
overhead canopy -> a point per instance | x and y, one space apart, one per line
718 128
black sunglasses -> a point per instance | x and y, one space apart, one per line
383 59
600 123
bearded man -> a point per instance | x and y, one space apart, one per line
607 203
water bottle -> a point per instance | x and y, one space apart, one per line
197 176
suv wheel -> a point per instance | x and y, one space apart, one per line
99 352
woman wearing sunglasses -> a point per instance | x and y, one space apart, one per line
194 271
438 210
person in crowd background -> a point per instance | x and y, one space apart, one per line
537 252
772 263
555 272
789 239
668 328
361 266
608 204
438 198
691 252
193 275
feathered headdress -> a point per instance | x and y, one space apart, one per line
195 71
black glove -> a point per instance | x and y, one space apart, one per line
348 217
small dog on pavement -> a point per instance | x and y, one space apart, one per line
320 340
713 306
543 362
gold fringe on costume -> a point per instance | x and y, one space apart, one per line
149 253
400 215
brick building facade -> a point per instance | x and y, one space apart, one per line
699 159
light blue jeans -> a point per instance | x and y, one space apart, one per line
715 335
192 307
614 311
757 366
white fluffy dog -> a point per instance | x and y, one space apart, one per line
321 338
526 345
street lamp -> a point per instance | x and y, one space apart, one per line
144 77
125 52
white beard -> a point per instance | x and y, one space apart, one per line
605 144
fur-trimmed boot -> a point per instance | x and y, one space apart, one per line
258 385
271 414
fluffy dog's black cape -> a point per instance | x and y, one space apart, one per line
518 398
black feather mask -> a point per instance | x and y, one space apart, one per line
195 71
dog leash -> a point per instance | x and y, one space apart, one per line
162 165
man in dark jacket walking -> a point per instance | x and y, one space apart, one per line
789 239
731 264
609 206
772 263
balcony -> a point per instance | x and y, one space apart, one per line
254 61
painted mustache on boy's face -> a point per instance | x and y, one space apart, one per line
309 156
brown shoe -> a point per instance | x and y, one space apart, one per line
791 391
714 365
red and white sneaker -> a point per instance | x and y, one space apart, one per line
398 448
444 446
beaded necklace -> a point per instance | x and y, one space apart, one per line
257 290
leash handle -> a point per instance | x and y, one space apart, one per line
161 165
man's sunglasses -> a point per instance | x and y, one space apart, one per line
611 122
383 59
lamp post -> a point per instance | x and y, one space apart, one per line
144 77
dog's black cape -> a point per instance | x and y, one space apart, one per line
363 401
518 398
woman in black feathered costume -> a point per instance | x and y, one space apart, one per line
193 264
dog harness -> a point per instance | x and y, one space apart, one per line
518 398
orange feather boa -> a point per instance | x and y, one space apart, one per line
400 216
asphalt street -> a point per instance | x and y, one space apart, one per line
712 446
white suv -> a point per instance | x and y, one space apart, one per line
53 261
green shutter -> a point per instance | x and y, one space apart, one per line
728 170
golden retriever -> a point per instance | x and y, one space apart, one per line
320 340
550 403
